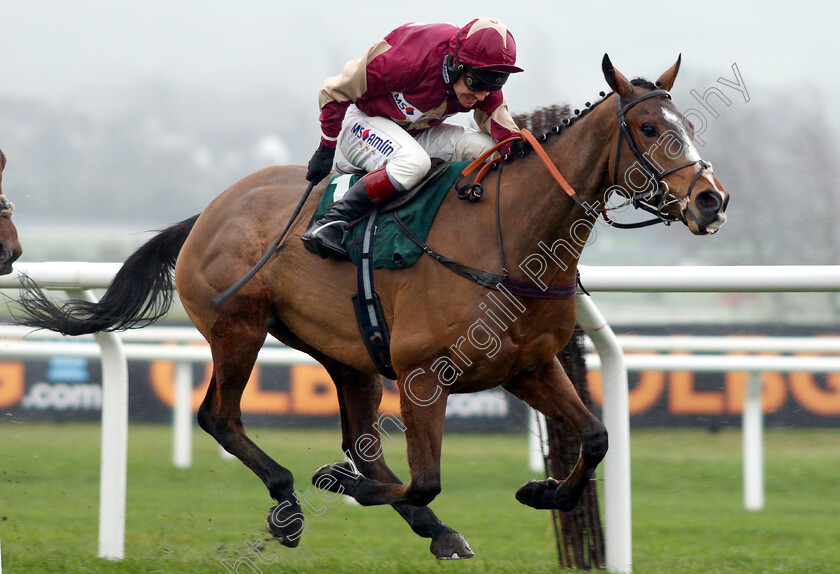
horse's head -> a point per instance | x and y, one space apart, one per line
655 162
10 248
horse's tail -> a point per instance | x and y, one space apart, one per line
140 294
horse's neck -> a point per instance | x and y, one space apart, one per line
547 223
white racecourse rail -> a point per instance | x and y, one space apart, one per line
77 279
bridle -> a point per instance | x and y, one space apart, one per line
656 200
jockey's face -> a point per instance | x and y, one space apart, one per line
466 96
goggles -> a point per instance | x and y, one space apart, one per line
484 80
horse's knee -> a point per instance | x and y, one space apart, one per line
594 445
421 494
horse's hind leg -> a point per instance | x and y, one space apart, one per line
236 338
550 391
359 395
423 420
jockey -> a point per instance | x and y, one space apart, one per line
385 115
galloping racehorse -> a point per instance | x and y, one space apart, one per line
448 334
10 248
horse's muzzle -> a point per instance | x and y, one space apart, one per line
705 214
10 251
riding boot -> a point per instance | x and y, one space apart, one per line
326 236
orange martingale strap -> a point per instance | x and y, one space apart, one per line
479 161
549 165
529 138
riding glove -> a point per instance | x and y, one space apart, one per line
515 149
321 163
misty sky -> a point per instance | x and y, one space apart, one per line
54 50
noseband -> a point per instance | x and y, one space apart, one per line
658 199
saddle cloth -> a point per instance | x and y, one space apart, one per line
391 248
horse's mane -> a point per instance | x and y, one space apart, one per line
554 120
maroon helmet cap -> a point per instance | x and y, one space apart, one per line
486 43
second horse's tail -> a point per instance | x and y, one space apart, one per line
141 292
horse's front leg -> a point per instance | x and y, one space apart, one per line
423 408
550 391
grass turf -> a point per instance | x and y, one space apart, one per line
688 514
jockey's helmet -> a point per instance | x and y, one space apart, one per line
485 52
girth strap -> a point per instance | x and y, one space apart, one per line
369 313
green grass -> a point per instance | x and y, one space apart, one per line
688 514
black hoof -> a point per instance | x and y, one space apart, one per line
545 494
451 546
341 478
286 523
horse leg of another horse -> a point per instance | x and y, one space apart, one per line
359 396
423 406
550 391
237 336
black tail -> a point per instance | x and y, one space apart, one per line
140 294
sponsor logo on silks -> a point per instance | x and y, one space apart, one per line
372 141
409 111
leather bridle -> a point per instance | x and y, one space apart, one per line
656 200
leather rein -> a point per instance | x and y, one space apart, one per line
653 202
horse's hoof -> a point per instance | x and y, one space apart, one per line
566 501
286 523
538 493
451 546
341 478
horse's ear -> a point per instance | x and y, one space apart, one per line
619 84
666 80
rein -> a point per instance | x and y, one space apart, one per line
473 192
653 202
640 200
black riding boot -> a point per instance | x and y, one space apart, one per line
325 236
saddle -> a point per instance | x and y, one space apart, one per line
380 239
416 209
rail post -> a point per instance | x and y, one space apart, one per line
114 458
618 539
752 431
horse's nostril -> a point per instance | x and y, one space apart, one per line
708 201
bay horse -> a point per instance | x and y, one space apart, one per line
10 248
448 334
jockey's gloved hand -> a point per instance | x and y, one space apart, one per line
321 163
516 149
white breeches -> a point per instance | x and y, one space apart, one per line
367 143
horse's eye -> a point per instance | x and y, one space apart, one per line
648 130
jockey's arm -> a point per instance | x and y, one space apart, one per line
338 92
494 119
